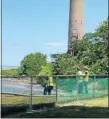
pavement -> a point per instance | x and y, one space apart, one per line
21 88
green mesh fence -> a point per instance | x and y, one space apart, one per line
71 88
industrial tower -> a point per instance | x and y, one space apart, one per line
76 21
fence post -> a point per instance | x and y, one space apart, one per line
56 88
30 105
108 90
94 87
77 87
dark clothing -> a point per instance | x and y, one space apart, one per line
80 87
45 90
48 86
50 89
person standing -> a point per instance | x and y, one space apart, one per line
45 86
50 85
79 81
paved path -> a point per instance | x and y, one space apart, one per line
21 88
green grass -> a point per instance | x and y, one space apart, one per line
98 102
84 108
21 100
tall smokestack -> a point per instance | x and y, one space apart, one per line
76 21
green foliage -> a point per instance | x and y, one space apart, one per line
91 51
64 64
9 72
46 69
32 64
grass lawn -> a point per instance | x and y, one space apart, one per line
98 102
84 108
20 100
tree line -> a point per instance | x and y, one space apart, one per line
92 51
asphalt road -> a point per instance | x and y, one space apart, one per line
21 88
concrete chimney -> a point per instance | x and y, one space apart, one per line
76 21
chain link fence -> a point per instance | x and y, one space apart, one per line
25 90
70 88
28 90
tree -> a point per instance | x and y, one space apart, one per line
46 69
91 51
64 64
32 64
9 72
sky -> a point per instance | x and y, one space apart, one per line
30 26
